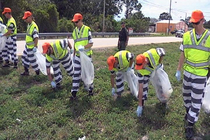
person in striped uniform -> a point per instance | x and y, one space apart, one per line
82 42
57 53
32 36
145 64
195 58
122 61
1 59
11 47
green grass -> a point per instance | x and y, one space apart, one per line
30 109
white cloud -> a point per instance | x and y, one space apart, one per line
179 8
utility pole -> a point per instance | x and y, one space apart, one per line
103 30
169 17
185 22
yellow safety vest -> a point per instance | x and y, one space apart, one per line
154 58
59 52
197 53
1 20
81 38
29 38
10 21
123 62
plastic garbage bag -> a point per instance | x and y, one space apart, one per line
160 81
132 80
41 61
87 69
3 39
83 138
206 99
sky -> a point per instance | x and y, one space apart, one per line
179 8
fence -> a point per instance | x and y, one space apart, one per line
69 34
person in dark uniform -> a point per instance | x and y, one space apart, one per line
123 37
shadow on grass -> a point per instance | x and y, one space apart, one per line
206 128
123 103
5 71
153 118
79 106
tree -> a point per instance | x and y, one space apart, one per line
138 22
165 16
130 5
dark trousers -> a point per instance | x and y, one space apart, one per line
121 45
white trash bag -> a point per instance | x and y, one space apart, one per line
41 61
160 81
206 99
132 80
3 39
87 69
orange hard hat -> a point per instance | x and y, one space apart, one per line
196 16
45 47
140 59
77 17
110 61
6 10
27 14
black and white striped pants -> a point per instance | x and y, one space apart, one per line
77 75
67 64
193 93
120 84
10 49
28 58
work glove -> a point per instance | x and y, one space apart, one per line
129 69
34 49
178 75
81 48
139 111
53 84
71 51
113 91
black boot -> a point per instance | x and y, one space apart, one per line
1 60
37 72
6 64
58 86
74 96
25 73
90 93
15 65
189 132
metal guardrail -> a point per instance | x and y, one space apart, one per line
94 34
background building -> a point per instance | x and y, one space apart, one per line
162 26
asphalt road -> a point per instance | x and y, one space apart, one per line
107 42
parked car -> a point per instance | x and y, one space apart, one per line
179 33
173 32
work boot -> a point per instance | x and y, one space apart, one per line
25 73
1 60
58 86
37 72
90 93
15 65
73 97
189 133
6 64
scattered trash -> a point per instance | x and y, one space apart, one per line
83 138
18 120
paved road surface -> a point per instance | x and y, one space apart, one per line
108 42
